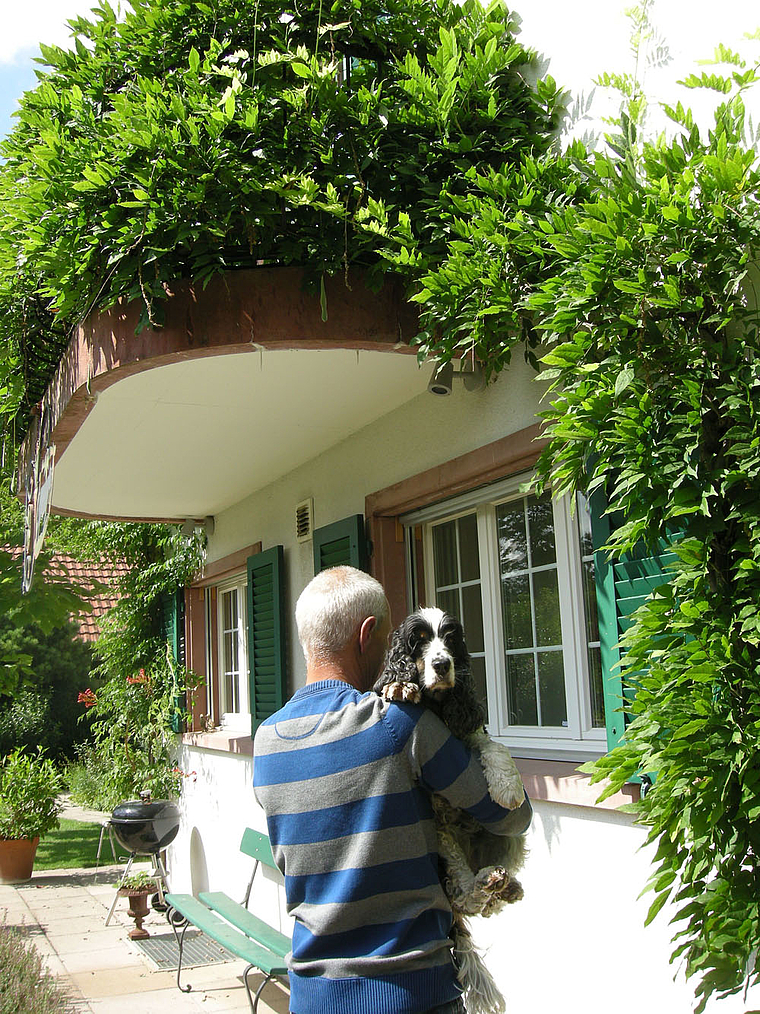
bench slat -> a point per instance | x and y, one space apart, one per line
246 921
230 938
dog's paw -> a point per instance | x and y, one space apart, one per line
507 790
402 692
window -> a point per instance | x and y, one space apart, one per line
232 647
519 572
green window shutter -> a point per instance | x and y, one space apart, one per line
343 543
172 622
621 587
266 634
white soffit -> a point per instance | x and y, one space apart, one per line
193 438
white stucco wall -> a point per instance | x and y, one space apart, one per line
425 432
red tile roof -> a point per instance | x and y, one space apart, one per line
87 574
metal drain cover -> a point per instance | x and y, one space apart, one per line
163 950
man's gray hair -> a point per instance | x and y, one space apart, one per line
333 606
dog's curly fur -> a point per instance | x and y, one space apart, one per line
428 663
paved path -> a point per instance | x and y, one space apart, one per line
63 913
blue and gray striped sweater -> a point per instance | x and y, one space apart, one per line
345 780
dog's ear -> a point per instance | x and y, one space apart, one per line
399 666
460 709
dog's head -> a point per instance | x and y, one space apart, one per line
434 641
428 649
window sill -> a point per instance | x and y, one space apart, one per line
561 782
221 740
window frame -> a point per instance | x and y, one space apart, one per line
580 740
240 720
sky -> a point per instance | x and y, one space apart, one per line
23 25
581 39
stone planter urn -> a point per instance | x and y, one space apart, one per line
138 909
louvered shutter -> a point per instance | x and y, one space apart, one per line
343 543
266 634
172 622
621 587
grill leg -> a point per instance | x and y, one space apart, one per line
160 873
116 896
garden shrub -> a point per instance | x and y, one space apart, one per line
26 987
633 276
44 712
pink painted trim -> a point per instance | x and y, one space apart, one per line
223 742
561 782
242 311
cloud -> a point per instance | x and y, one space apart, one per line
26 23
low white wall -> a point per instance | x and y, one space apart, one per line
577 941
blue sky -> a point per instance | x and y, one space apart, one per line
23 25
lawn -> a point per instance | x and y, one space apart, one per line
74 845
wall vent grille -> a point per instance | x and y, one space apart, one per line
304 520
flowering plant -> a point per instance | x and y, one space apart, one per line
88 698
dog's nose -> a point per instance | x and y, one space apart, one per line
441 665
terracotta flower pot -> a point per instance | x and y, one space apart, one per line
138 909
17 859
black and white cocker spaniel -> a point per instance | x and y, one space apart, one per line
428 663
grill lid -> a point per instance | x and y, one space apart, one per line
136 809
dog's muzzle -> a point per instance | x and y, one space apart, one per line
442 676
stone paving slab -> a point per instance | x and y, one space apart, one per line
63 914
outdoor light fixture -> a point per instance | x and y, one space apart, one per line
189 526
442 380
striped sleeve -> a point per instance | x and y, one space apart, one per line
444 765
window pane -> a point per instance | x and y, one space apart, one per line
230 650
445 553
589 598
468 548
513 547
521 690
472 617
546 604
449 602
479 676
543 550
597 690
515 597
551 682
584 525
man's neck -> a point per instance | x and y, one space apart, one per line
334 669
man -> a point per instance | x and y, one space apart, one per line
345 780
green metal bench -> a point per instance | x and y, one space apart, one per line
231 924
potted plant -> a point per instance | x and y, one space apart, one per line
138 887
29 808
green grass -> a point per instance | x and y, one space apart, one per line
73 846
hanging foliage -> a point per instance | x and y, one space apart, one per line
190 139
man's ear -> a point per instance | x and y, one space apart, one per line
365 632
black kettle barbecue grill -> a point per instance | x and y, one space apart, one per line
144 827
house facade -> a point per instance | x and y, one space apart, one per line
299 443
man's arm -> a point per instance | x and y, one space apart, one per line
444 765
